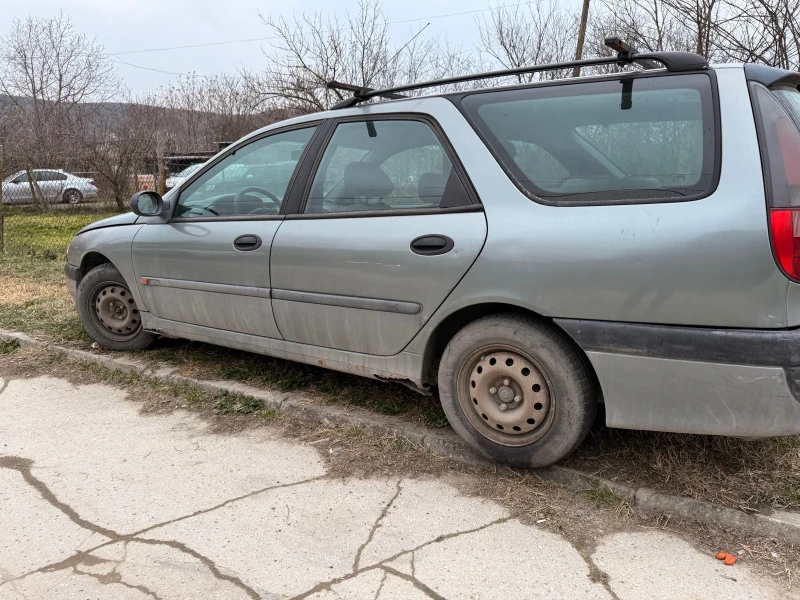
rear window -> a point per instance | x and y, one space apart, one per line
790 98
642 139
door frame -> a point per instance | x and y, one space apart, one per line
296 208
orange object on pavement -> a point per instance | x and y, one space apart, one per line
729 560
721 555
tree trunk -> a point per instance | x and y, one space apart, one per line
576 72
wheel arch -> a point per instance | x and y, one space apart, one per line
90 260
445 330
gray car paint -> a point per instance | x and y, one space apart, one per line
203 252
123 219
706 262
368 257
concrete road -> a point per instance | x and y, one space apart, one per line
100 501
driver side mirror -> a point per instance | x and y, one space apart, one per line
148 204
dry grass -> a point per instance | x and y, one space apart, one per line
749 475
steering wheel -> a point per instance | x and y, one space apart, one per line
211 210
237 199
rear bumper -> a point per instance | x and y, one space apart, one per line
695 380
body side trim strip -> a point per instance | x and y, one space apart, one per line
201 286
377 304
394 306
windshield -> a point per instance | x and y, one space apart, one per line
189 170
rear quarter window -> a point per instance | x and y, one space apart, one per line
641 139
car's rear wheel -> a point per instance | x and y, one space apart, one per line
108 311
72 196
516 390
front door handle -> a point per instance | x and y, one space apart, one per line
432 244
247 242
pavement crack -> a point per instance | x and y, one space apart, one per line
23 467
413 581
326 585
4 384
226 503
376 525
207 562
380 587
597 575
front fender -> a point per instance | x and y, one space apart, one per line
115 244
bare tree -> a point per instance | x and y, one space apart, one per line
529 34
763 31
356 48
53 75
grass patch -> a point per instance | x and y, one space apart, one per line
8 346
602 497
743 474
205 361
231 403
34 299
45 235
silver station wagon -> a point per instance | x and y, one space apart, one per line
631 239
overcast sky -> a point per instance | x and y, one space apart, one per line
123 26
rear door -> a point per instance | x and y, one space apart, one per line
388 227
209 265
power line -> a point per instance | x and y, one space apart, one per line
117 58
266 39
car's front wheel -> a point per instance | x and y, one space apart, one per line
516 390
108 311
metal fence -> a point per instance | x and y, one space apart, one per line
42 209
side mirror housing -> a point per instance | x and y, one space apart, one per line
148 203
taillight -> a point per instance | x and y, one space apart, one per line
91 182
785 229
780 144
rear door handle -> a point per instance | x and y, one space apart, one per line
432 244
247 242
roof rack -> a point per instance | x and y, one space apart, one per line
676 62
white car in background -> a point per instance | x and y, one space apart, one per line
55 184
179 178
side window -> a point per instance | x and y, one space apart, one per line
389 164
22 178
60 177
251 181
652 139
42 176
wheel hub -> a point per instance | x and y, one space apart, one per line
509 396
116 310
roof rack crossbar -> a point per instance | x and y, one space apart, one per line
626 54
358 93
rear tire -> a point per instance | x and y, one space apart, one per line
517 390
72 196
108 311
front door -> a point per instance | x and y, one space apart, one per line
386 232
209 265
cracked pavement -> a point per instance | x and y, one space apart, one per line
100 501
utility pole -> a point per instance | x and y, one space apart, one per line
576 72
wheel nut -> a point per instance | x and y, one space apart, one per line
503 406
492 390
517 399
506 382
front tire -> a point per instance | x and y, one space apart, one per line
108 311
516 390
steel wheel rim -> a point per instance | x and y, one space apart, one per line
73 197
114 311
506 396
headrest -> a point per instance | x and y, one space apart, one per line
365 180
